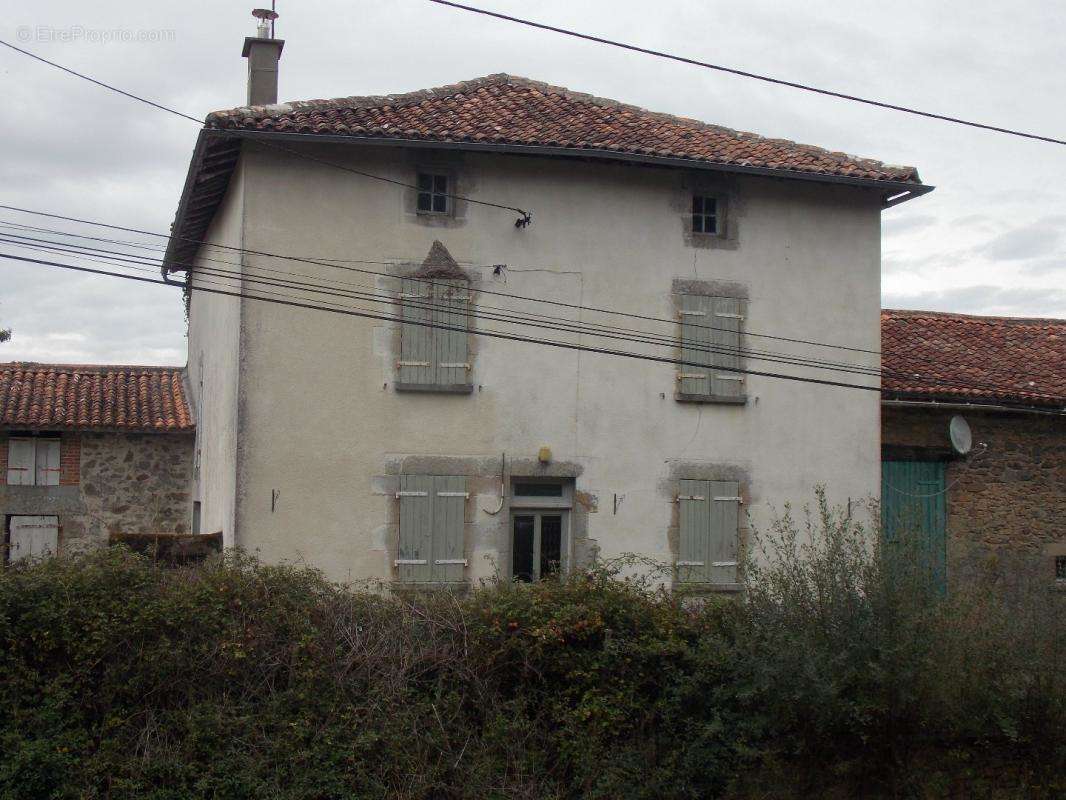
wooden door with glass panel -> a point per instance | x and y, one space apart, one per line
538 546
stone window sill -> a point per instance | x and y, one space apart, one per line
451 388
721 399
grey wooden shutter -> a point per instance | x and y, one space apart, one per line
451 346
33 537
414 553
417 365
48 462
694 555
694 376
709 521
449 516
21 462
724 518
728 313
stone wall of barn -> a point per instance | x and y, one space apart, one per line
1008 501
110 483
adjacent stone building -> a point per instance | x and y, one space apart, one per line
1006 377
87 452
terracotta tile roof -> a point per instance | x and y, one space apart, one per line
88 397
508 110
996 360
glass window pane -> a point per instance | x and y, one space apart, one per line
710 205
710 225
425 202
440 203
522 549
551 545
440 183
425 182
697 223
697 205
538 490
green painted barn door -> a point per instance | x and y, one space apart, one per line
914 516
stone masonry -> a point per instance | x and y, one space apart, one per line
110 482
1009 500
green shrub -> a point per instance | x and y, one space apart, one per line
838 672
857 663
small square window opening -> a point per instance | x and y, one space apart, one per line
1060 568
704 214
433 194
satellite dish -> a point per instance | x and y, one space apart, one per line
961 437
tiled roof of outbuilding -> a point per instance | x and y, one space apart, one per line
93 397
509 110
998 360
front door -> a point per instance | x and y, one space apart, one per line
914 516
538 545
32 537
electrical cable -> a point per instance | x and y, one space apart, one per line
745 74
524 220
470 314
336 308
590 328
328 263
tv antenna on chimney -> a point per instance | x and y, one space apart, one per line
266 17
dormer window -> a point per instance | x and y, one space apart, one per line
433 193
704 214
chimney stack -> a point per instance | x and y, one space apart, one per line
263 52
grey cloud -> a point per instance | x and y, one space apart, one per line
1038 239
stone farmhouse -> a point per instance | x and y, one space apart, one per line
1007 378
414 445
91 452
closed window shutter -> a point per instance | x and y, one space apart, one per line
48 462
33 537
724 518
451 347
694 375
414 554
726 340
694 555
449 515
709 521
21 462
417 363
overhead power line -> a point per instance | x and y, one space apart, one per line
524 220
745 74
332 264
336 308
576 326
534 321
145 264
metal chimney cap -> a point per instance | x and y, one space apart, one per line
264 14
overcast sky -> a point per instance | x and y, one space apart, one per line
990 240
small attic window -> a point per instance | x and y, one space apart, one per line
704 214
433 193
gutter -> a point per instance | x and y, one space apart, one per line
958 406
